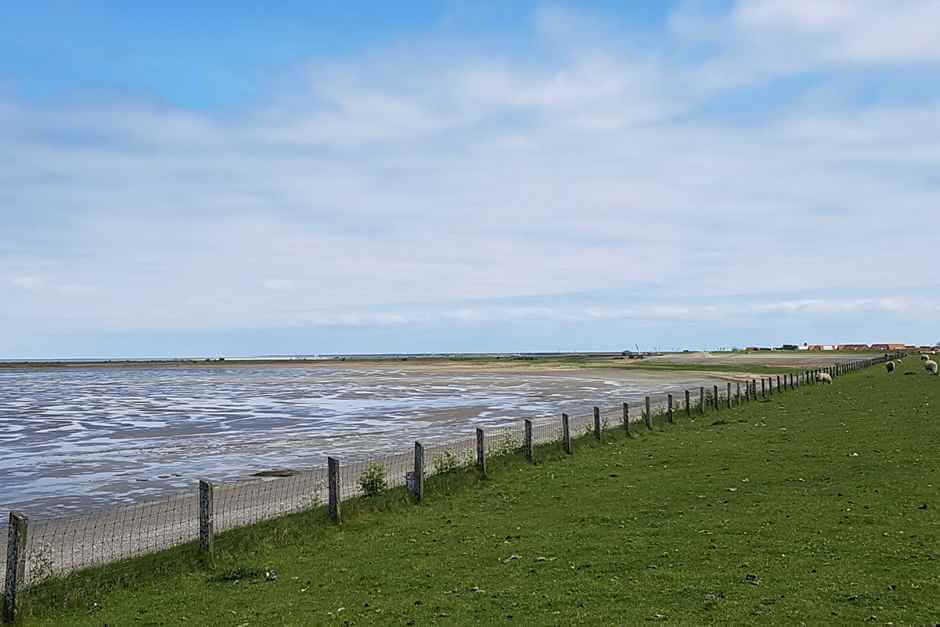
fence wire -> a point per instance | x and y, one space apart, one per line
59 546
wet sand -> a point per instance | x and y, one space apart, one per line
79 440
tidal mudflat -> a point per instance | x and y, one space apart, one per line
81 439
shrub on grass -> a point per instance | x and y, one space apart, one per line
448 461
372 480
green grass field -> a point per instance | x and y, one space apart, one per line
819 505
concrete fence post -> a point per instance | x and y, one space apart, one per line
688 406
566 433
206 516
527 442
481 453
419 472
16 563
626 418
332 476
648 415
597 423
669 409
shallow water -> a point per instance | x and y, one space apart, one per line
76 440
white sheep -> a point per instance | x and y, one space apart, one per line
924 357
931 366
823 377
890 366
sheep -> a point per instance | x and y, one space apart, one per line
931 366
924 357
823 377
890 366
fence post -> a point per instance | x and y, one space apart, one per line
729 394
626 418
566 433
688 407
206 516
649 415
419 471
778 382
701 399
737 394
763 390
669 409
16 563
332 472
527 443
481 453
597 422
715 399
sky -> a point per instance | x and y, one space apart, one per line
359 177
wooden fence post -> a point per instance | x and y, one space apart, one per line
669 409
715 399
16 563
778 383
597 422
419 472
688 407
648 417
737 394
332 472
626 418
701 399
481 453
729 394
763 390
527 442
206 516
566 433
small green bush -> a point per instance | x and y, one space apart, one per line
446 462
372 480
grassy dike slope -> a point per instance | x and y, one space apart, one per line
819 505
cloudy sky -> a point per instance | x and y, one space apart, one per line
462 176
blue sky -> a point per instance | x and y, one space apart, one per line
460 176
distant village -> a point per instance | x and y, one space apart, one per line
843 347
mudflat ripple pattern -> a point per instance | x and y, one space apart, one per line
74 440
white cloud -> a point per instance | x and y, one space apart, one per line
28 282
279 285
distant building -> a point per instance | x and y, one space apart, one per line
888 347
788 347
853 347
822 347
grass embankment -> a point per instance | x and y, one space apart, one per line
819 505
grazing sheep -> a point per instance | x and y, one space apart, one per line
890 366
823 377
924 357
931 366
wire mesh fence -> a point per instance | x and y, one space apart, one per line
58 546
